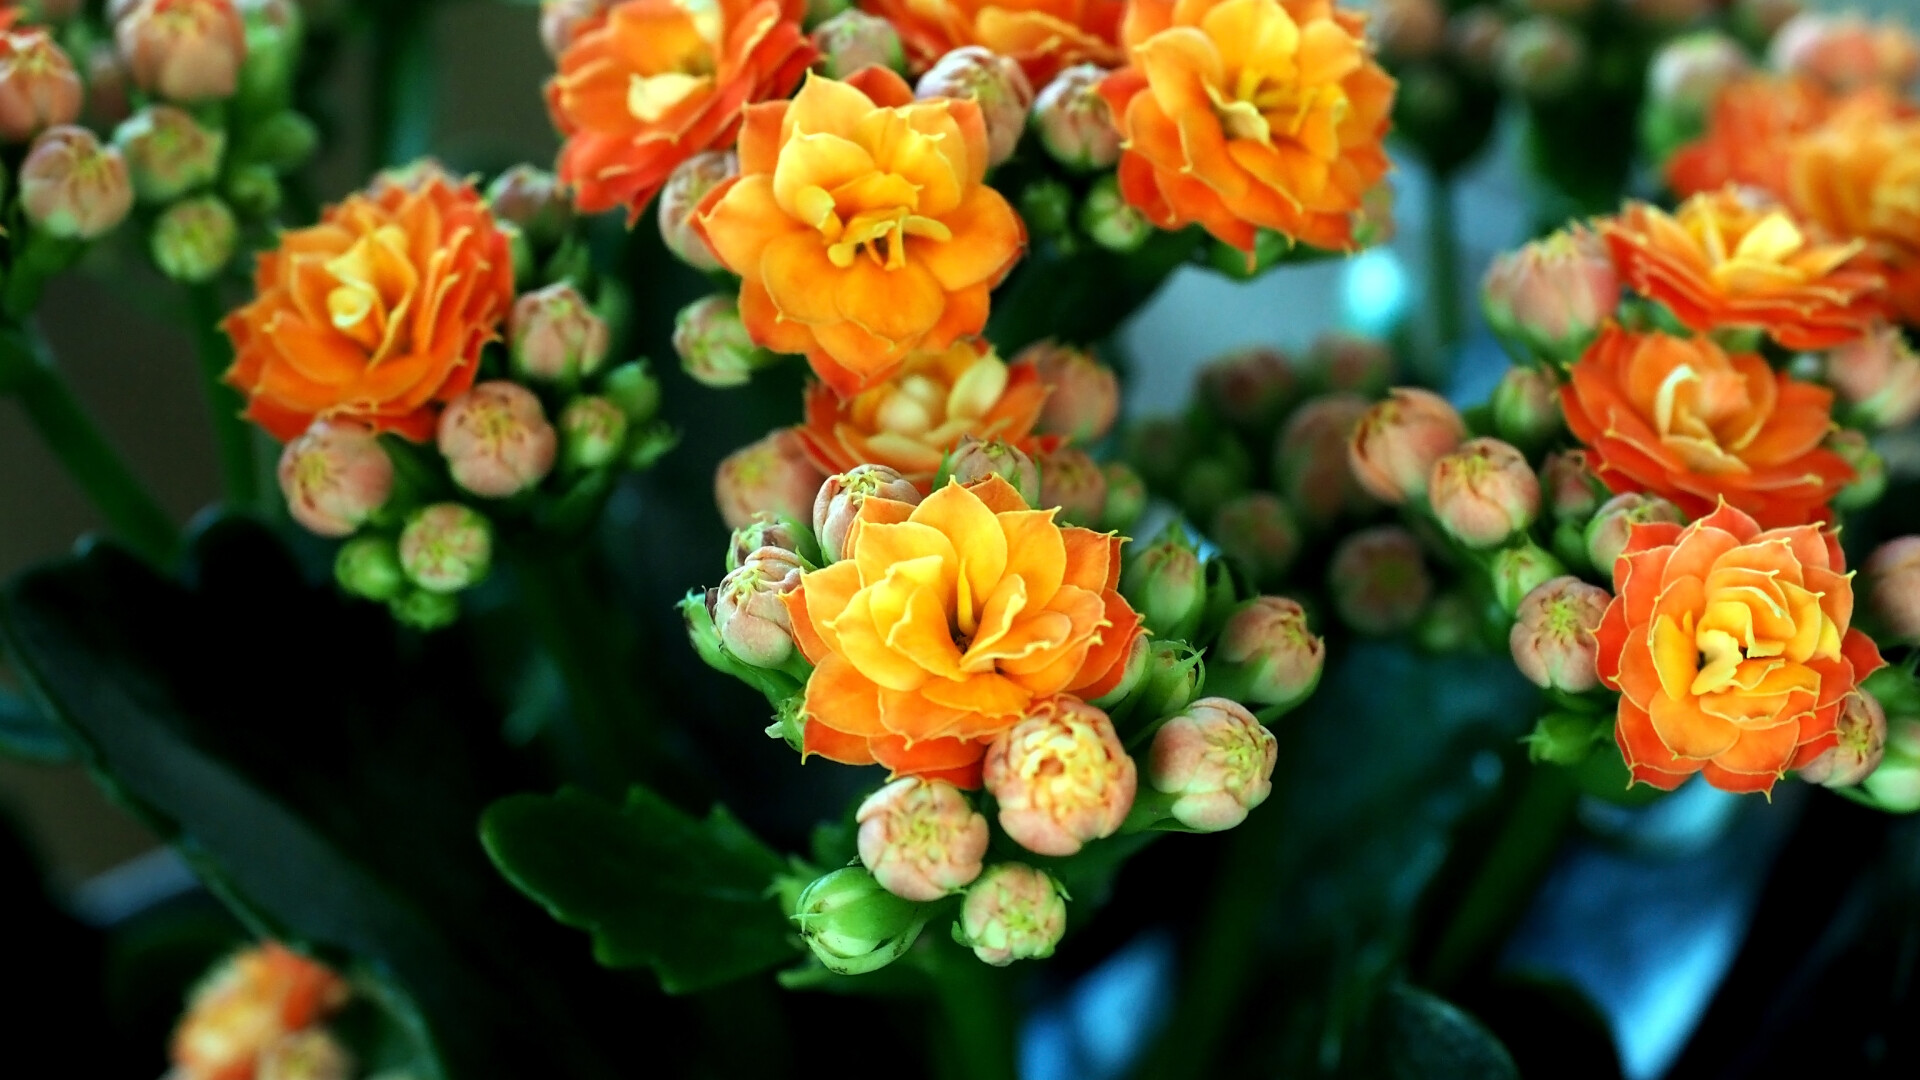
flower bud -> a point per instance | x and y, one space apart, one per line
1161 448
1083 395
496 440
1408 30
1395 445
921 839
255 191
1167 584
1267 654
1139 655
714 345
194 240
73 188
335 476
285 141
836 505
1526 407
313 1054
189 51
1217 760
852 40
1249 388
853 924
369 567
1452 623
425 611
1060 777
1571 489
632 387
532 198
1552 636
1126 497
1073 481
1378 580
555 336
1879 376
246 1005
39 87
991 81
1110 221
1862 728
1170 678
1310 461
446 547
1520 569
561 20
1869 470
766 531
1012 912
168 153
1566 738
975 459
1895 785
1894 571
592 432
748 612
1483 493
1259 534
1607 533
1345 363
773 474
1541 58
1844 53
689 184
1548 299
1075 126
1688 73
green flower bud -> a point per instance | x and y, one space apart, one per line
283 142
254 190
194 240
1519 570
424 610
1107 218
634 389
853 924
1166 583
592 431
168 152
1126 497
1566 738
369 567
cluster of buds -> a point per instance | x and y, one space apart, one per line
261 1013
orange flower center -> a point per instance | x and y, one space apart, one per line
1276 78
679 63
1748 646
1705 407
1758 252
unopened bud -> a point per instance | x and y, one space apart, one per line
1552 637
852 40
1541 58
72 187
168 153
1060 777
1217 760
1845 52
1046 205
1138 657
1344 363
1258 533
39 88
1571 489
1483 493
1167 584
1862 728
1869 470
1378 580
1879 377
189 51
766 531
921 839
1526 407
424 610
446 547
1126 497
1520 569
689 183
555 336
1566 738
1395 445
853 924
254 190
1408 29
1083 395
1012 912
53 11
283 142
748 612
836 505
1267 654
497 440
249 1003
1452 623
532 198
1310 461
973 460
1689 72
773 474
1250 388
714 345
1611 525
313 1054
1894 573
1072 481
1548 299
592 432
1895 785
1075 126
633 388
194 240
335 476
369 567
561 20
991 81
1110 221
1170 678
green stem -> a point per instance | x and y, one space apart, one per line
232 433
402 98
977 1010
69 432
1443 264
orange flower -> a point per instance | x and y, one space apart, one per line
246 1005
1249 114
1722 261
861 227
1731 650
910 422
376 314
1680 418
651 83
1043 35
1857 176
1745 143
945 622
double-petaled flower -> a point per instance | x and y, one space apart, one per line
1043 35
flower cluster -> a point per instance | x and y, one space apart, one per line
260 1015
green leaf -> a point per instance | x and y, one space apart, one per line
1414 1035
656 888
30 735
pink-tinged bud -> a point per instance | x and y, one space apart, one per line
1526 406
1250 388
1607 533
1541 58
335 476
714 346
72 187
1552 636
921 838
1879 376
1073 123
1869 470
852 40
1475 37
1483 492
1083 394
1845 52
1267 654
1073 481
836 505
1259 533
690 182
1548 299
765 531
39 87
1379 580
1397 442
555 336
1667 14
562 20
1688 73
748 612
1862 727
1408 30
592 432
993 82
497 440
1061 777
1351 364
974 460
1216 760
1166 583
313 1054
1012 912
195 239
446 547
1310 459
245 1006
168 153
188 51
532 198
1518 570
1895 785
773 474
1571 489
1126 497
1894 571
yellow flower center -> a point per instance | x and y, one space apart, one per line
374 283
881 235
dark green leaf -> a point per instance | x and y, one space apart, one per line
656 888
28 734
1416 1036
